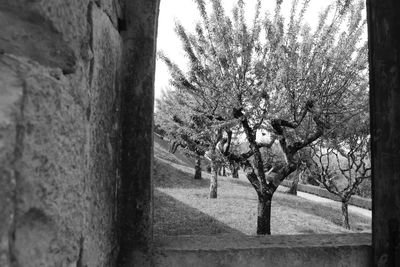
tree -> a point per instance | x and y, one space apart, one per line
177 122
193 124
344 161
287 79
208 94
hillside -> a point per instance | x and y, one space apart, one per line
182 205
161 148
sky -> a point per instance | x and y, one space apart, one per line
186 12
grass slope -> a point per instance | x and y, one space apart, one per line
182 206
161 151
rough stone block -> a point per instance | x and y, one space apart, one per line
31 36
55 33
47 165
59 177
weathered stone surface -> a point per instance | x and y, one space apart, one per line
59 143
68 18
31 36
47 165
296 250
32 177
102 181
112 8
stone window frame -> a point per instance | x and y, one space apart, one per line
137 111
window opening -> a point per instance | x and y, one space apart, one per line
258 103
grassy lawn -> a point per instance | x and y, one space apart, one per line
182 206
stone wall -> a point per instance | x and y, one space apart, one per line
365 203
261 251
59 132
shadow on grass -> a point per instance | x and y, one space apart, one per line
172 218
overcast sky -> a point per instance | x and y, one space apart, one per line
186 12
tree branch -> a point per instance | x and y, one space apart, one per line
311 138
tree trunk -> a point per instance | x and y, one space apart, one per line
214 180
173 147
197 168
223 171
234 171
345 215
264 215
293 187
208 169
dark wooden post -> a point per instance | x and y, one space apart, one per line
139 52
384 45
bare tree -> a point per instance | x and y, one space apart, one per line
342 167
